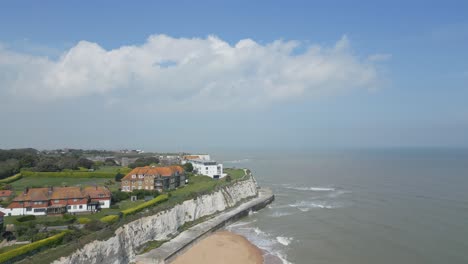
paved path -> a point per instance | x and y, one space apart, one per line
169 250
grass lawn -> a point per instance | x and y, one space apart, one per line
234 173
24 182
108 211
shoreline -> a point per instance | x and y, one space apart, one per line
232 248
180 244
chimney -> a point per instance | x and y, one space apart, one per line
26 190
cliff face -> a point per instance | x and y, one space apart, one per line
121 247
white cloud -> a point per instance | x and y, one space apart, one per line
176 72
380 57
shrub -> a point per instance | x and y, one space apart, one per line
115 206
26 218
17 252
155 201
12 178
68 217
94 225
118 196
83 220
110 219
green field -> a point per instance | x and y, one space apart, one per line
21 184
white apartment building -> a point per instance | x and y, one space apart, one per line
207 167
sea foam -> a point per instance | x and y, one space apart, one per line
284 240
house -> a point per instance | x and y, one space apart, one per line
189 158
208 167
5 194
153 178
59 200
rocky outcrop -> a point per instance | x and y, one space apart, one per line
121 247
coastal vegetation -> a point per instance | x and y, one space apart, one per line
30 248
101 225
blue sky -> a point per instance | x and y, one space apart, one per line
390 74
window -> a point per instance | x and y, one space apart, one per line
69 207
39 210
56 201
75 200
28 209
101 195
81 206
133 176
74 207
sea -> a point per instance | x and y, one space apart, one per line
358 206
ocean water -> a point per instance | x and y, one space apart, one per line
359 206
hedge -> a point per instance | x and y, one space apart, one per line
136 209
83 220
26 218
109 219
74 174
11 178
17 252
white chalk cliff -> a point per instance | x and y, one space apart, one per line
121 247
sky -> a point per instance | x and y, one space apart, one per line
200 75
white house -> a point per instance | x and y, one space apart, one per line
208 167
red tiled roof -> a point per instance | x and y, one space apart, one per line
5 193
2 214
157 171
97 192
59 196
66 193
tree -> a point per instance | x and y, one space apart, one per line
118 196
85 163
110 162
118 177
145 161
188 167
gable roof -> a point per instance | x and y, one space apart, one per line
5 193
156 171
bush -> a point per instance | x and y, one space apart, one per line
110 219
83 220
17 252
95 225
155 201
140 194
118 177
118 196
68 217
12 178
26 218
115 206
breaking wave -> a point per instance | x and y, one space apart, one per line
314 189
284 240
280 214
305 206
273 247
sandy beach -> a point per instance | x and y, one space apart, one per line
222 247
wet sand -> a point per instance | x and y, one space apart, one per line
222 247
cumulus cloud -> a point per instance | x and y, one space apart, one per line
177 72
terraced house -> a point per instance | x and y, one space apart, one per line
153 178
59 200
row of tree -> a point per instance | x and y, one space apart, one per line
13 160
